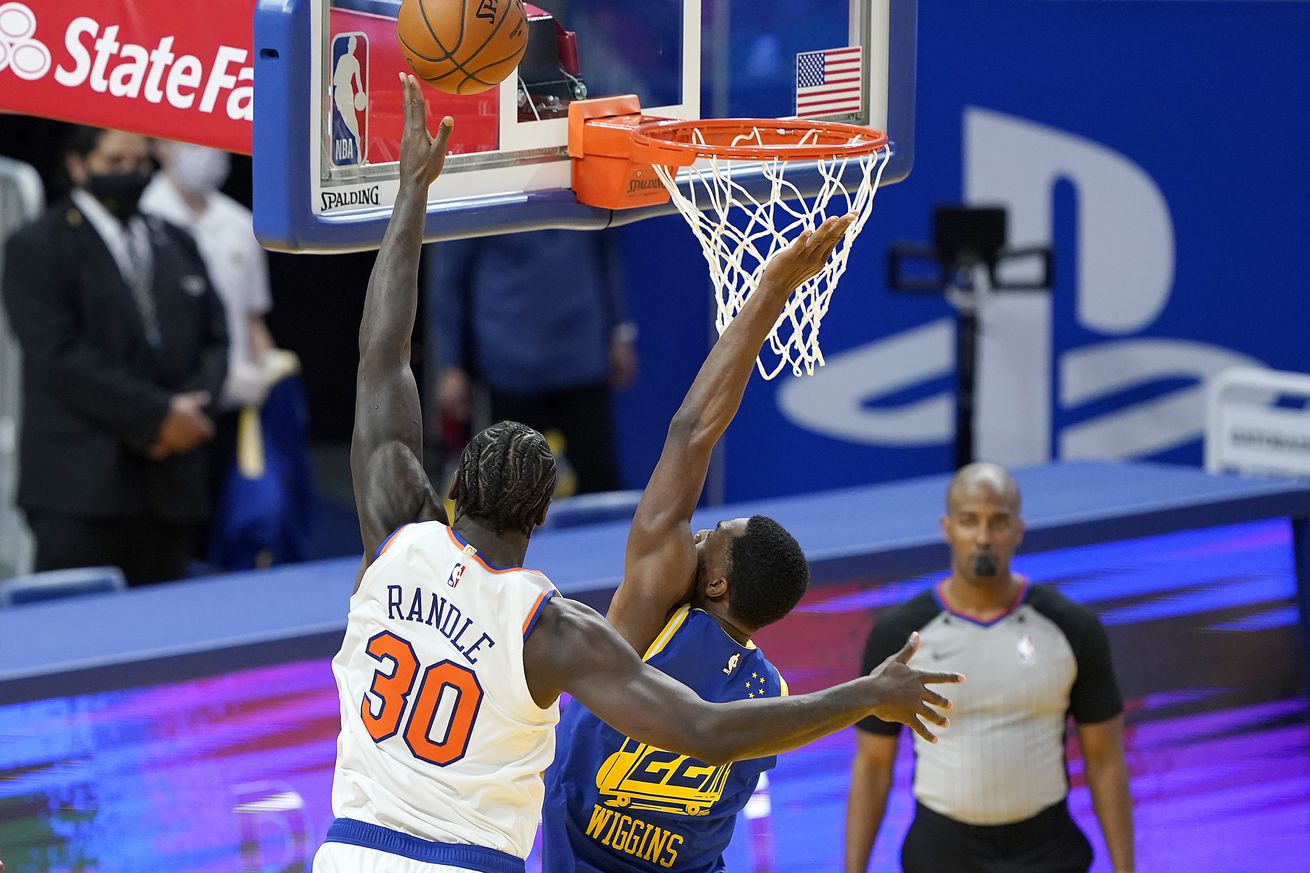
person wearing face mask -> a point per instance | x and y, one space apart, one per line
186 193
261 517
991 796
124 347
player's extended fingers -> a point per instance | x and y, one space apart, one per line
443 134
844 223
933 715
839 224
907 651
835 226
921 729
833 230
930 696
437 154
416 108
935 678
819 237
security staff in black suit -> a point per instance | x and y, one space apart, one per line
124 346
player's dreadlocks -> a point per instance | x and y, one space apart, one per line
506 477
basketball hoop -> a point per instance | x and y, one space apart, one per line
735 195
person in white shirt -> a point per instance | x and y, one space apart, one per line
186 193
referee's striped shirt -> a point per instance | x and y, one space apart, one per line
1002 760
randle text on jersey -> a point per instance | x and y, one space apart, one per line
430 608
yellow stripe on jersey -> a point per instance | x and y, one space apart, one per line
782 682
670 628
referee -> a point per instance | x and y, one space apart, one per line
991 794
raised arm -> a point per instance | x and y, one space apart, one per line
572 649
386 449
661 552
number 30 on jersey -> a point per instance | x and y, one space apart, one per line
415 720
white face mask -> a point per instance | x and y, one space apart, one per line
196 169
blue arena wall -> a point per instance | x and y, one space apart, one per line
882 532
1154 145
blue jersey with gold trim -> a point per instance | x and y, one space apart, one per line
616 804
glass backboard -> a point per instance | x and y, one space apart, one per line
328 124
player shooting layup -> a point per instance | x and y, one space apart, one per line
691 604
454 656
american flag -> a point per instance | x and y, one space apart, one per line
828 82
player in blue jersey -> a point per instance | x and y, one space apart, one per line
431 781
690 603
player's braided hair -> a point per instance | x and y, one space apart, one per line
506 477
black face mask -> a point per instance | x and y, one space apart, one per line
118 192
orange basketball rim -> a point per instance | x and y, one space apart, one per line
623 159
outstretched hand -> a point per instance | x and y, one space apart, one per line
421 155
904 693
807 254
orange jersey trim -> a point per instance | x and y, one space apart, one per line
535 611
386 545
472 552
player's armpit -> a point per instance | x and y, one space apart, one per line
391 489
652 588
660 557
573 649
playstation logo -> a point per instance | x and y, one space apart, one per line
732 664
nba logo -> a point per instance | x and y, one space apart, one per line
1027 650
456 573
349 98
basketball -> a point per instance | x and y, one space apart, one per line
462 46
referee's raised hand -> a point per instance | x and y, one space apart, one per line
903 694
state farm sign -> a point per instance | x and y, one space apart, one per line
174 70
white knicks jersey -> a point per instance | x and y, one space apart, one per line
440 738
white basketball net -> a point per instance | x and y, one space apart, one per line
739 232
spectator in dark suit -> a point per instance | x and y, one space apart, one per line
124 348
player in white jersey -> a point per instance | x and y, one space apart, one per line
454 656
431 604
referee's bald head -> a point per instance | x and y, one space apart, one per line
985 477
